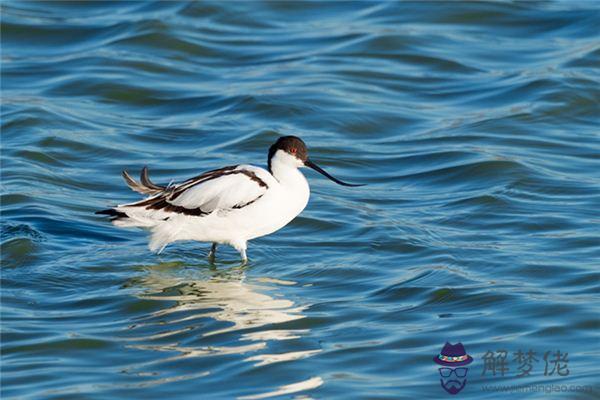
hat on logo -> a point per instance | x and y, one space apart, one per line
453 355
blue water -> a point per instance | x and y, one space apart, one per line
475 125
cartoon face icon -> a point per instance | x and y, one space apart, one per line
453 373
453 380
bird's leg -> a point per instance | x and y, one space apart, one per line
241 248
213 252
244 258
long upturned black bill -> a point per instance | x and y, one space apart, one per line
320 170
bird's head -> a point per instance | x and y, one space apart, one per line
291 151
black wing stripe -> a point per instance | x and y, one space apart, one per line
207 176
238 206
112 212
252 175
161 204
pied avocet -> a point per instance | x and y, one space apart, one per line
230 205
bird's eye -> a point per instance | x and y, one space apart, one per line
293 150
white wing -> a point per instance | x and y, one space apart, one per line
229 189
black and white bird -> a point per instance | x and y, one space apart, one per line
230 205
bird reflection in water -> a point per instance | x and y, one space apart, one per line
231 303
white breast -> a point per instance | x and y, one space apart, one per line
281 204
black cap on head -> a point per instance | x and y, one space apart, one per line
290 144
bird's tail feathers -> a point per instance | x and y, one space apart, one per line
145 186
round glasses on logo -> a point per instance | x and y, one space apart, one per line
460 372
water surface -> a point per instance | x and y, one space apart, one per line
475 126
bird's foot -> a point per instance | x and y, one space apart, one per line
244 258
241 248
212 253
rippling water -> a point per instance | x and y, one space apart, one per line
476 126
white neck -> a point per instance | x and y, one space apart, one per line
284 168
293 187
